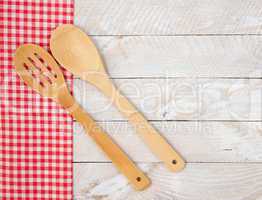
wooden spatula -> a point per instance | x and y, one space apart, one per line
75 51
40 71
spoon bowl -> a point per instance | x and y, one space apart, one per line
83 54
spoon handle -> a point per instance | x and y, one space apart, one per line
158 145
136 177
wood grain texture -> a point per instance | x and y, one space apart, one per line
171 17
197 181
196 141
177 60
179 99
181 56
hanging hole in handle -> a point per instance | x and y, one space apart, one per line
174 162
138 179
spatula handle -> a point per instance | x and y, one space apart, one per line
136 177
158 145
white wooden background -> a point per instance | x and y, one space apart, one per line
194 68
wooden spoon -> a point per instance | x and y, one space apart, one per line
40 71
75 51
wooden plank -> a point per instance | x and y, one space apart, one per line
196 141
153 17
183 56
198 181
179 99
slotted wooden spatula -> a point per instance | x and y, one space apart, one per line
75 51
40 71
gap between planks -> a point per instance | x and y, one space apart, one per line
108 162
171 35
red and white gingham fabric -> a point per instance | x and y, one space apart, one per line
35 133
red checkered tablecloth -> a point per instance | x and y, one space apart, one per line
35 133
